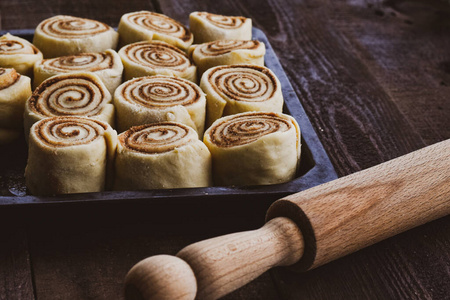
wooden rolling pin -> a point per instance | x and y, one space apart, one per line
307 229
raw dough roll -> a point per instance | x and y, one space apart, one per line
254 148
227 52
240 88
156 58
15 89
70 155
154 99
147 26
19 54
160 156
65 35
72 94
107 65
207 27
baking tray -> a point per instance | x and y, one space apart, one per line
315 168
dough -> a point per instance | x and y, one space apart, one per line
254 148
147 26
70 155
18 53
107 65
15 89
227 52
154 99
65 35
161 156
71 94
240 88
156 58
207 27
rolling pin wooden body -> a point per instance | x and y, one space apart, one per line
313 227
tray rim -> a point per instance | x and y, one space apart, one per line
322 171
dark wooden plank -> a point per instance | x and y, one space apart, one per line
406 46
15 269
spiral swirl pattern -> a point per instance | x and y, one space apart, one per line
157 55
72 27
81 62
157 137
15 46
8 77
221 21
69 94
220 47
159 23
161 91
243 82
69 131
245 128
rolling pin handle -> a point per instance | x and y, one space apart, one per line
213 268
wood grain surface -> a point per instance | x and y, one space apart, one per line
374 79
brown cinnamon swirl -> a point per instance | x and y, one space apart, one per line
73 94
15 89
147 26
160 156
227 52
156 58
70 155
254 148
65 35
240 88
107 65
207 27
18 53
159 98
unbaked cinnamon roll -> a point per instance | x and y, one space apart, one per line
207 27
15 89
240 88
156 58
154 99
72 94
161 156
18 53
70 155
147 26
107 65
227 52
254 148
66 35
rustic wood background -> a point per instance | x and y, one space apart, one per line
374 79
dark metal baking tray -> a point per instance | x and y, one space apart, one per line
315 169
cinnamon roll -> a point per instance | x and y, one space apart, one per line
161 156
240 88
154 99
254 148
70 155
18 53
147 26
207 27
107 65
156 58
15 89
227 52
72 94
66 35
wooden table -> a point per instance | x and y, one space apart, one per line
373 77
